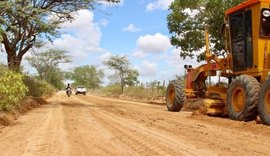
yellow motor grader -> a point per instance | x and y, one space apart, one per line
246 67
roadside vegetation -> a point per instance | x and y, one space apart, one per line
124 75
89 76
188 20
18 40
38 88
46 63
26 26
25 22
141 92
14 87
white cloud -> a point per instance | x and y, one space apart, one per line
104 57
178 63
131 28
158 4
104 22
148 69
80 37
157 43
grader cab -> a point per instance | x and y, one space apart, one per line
246 67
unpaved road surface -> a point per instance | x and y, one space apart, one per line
91 125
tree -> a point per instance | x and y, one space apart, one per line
47 61
22 22
55 77
122 67
87 75
188 21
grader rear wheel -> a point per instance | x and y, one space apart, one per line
242 98
264 103
175 96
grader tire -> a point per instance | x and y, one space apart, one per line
242 98
175 96
264 103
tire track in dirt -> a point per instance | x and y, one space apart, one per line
130 103
144 140
116 143
224 136
90 125
50 138
87 135
35 133
147 141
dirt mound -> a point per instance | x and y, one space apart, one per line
200 111
4 120
196 106
156 101
29 103
192 105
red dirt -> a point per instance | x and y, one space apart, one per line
92 125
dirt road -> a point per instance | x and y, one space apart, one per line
91 125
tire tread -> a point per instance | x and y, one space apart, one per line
264 115
179 96
252 88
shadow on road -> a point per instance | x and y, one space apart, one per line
76 105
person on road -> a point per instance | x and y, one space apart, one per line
68 88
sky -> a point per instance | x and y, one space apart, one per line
134 28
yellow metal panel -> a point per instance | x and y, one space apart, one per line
256 11
261 46
244 5
214 106
220 91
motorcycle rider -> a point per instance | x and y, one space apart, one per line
68 88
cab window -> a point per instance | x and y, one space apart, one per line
241 40
237 26
237 37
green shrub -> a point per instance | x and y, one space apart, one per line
12 89
137 92
38 88
142 93
112 90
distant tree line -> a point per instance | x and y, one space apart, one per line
47 63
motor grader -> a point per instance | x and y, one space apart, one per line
246 67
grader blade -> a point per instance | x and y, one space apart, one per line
214 107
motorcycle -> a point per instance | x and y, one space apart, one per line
68 92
